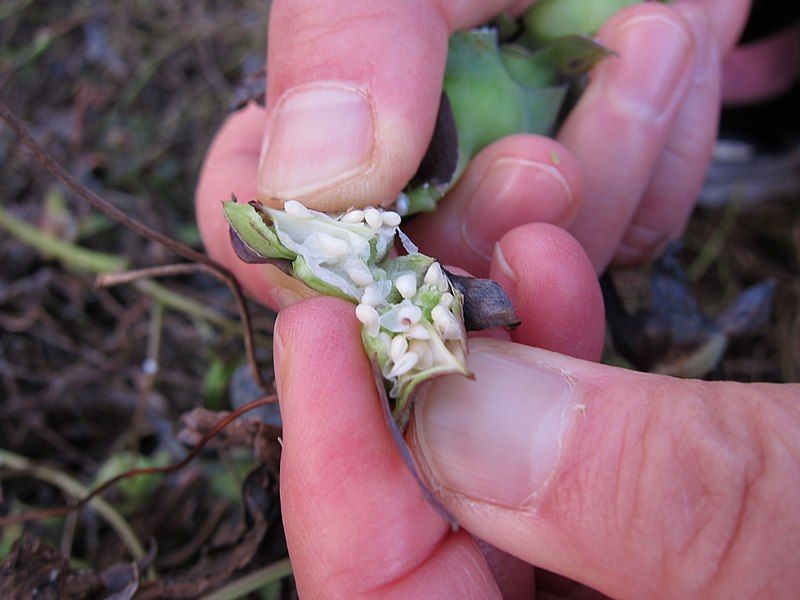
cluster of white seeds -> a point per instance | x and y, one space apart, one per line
331 250
399 328
374 217
405 339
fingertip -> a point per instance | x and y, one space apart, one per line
346 128
517 180
316 330
554 289
354 516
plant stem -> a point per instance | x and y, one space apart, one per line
252 581
84 260
71 255
76 489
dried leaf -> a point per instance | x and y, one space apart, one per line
402 446
35 570
439 163
571 55
220 564
674 335
252 88
247 433
486 305
750 311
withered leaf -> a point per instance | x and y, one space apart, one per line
35 570
486 305
218 565
571 55
402 446
750 311
251 88
441 158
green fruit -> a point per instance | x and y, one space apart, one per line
550 19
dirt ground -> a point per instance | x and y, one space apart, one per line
127 96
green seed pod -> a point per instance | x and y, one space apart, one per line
492 91
485 102
548 20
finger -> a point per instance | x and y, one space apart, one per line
728 18
356 522
626 482
554 289
353 93
517 180
619 126
230 168
681 169
762 69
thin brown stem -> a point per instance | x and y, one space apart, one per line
112 212
111 279
50 513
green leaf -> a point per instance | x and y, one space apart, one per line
570 56
249 225
550 19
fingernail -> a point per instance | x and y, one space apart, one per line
513 192
320 134
498 438
502 273
640 245
653 59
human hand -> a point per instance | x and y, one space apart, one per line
635 485
639 138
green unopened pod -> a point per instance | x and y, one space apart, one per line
548 20
489 96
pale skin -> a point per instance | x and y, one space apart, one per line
655 487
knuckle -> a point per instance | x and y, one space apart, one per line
668 480
708 503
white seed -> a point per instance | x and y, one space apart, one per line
371 296
406 284
386 341
445 323
398 348
439 315
294 208
435 276
409 314
333 247
404 365
150 366
359 273
418 332
423 350
369 317
354 216
401 204
391 218
373 217
446 300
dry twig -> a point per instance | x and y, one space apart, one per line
64 510
209 265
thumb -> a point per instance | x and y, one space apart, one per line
353 92
626 482
342 99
